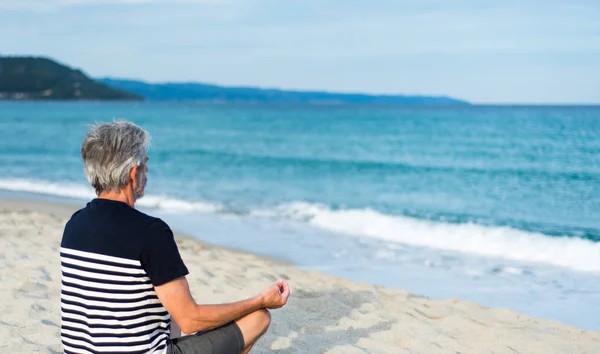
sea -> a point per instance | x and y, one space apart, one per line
494 204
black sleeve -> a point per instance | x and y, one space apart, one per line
160 257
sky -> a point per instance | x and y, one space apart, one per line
509 51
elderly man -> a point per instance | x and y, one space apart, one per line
123 279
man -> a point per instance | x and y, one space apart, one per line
123 279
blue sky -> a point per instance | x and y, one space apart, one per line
483 51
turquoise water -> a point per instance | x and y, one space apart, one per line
475 191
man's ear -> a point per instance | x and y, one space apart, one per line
133 174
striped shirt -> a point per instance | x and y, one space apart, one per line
112 256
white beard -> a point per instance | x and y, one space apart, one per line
138 191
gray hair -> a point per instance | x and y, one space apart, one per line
110 151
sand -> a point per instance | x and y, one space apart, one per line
325 314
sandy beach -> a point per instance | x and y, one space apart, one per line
325 314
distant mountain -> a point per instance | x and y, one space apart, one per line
36 78
214 93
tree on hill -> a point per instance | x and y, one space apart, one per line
39 78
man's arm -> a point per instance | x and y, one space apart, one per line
175 296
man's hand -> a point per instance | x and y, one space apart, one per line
276 296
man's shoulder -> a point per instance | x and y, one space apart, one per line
148 224
76 215
127 221
149 220
143 216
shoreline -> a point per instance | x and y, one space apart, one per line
325 314
66 209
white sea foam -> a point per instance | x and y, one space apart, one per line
69 190
491 241
78 191
501 242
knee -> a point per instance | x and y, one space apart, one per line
265 318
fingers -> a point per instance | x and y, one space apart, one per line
286 294
284 290
281 284
280 292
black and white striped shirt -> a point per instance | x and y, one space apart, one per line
112 256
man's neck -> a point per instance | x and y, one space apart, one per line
124 196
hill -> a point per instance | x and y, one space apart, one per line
215 93
37 78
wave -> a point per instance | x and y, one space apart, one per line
78 191
469 238
490 241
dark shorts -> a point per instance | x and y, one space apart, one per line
223 340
